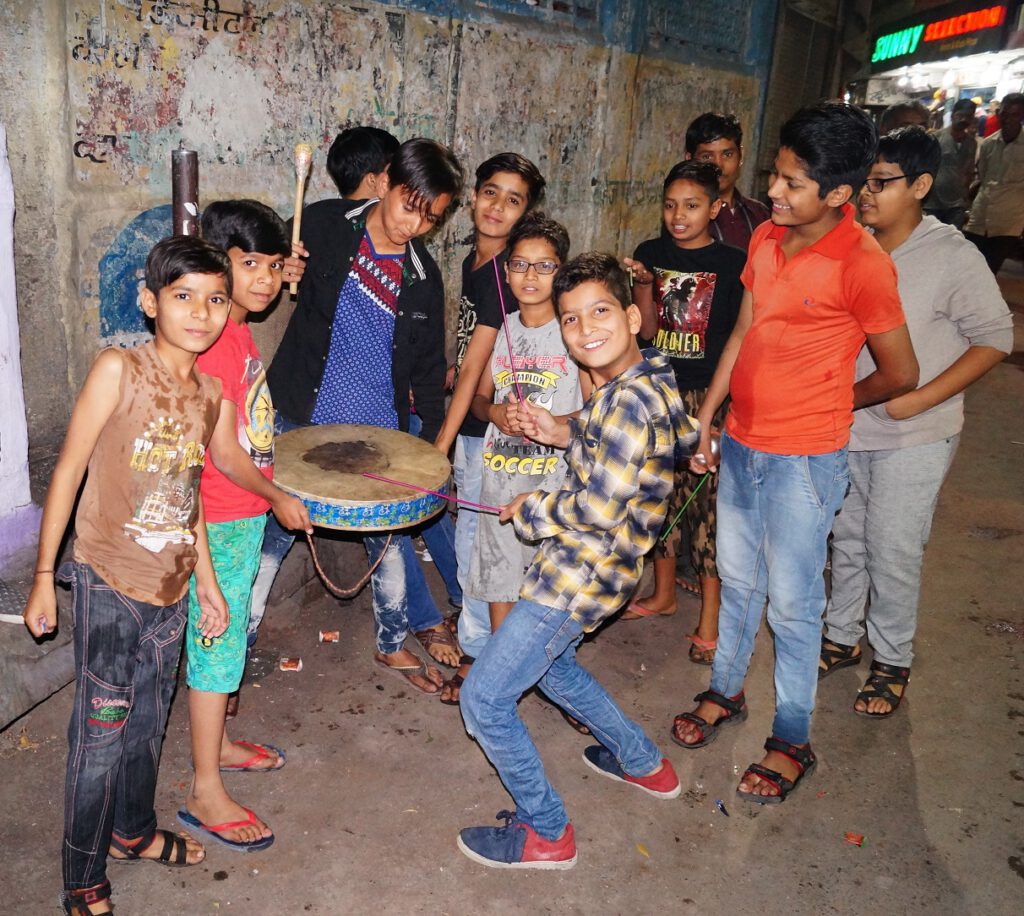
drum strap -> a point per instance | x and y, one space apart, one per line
335 589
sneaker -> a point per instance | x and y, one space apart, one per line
663 784
517 845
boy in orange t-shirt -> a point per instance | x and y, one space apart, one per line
817 287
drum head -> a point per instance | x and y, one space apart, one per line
323 466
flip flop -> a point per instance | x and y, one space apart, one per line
638 610
213 831
259 752
408 672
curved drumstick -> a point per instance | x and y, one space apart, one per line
451 499
303 161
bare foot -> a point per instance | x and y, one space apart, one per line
690 732
431 682
194 852
688 585
752 784
220 808
250 755
451 688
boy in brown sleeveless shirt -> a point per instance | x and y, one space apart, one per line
140 427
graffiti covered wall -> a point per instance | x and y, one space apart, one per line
597 92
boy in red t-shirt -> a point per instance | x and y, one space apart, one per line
817 286
237 491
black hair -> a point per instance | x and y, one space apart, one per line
427 170
1012 98
357 152
521 166
913 149
246 224
703 174
537 225
893 116
965 105
709 127
836 143
593 266
185 254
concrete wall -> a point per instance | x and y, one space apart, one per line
96 94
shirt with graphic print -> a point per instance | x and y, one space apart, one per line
697 294
356 385
547 377
235 360
136 520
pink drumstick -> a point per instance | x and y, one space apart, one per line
412 486
508 336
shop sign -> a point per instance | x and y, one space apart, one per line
959 29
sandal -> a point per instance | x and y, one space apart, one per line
835 656
803 757
409 672
702 652
215 831
260 752
456 681
735 712
879 687
173 854
437 636
79 902
635 611
574 722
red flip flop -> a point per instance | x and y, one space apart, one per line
213 831
259 752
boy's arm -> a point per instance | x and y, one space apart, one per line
643 296
231 460
963 373
481 345
214 615
96 402
896 369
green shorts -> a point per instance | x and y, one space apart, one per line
216 664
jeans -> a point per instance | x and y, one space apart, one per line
393 610
126 664
537 644
475 619
878 543
774 516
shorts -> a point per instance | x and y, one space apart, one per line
215 665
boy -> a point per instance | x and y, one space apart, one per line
817 285
901 450
594 533
507 186
358 159
368 328
140 427
688 290
718 139
237 492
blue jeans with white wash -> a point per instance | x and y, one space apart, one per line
537 645
774 516
393 611
475 619
126 665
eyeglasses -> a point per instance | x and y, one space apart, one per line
519 266
877 185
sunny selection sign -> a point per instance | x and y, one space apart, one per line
962 32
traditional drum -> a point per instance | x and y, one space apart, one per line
323 466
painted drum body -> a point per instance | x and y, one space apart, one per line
323 466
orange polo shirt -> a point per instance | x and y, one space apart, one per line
792 384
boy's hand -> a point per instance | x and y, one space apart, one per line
213 609
641 276
506 416
507 512
904 407
291 512
540 425
41 609
704 457
295 266
449 378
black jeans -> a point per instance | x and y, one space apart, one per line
126 663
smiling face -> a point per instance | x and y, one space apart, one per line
598 331
255 281
499 203
189 313
794 194
727 156
532 288
687 211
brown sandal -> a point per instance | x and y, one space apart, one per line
702 652
438 636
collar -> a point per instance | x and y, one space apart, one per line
836 243
358 216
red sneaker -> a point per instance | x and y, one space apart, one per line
517 845
663 784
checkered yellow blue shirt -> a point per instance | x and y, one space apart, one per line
598 527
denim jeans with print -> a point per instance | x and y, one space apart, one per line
126 664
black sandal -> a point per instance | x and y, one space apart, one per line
878 687
79 902
803 757
835 656
174 853
456 681
735 712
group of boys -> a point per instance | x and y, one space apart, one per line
366 343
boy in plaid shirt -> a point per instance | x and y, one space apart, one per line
595 531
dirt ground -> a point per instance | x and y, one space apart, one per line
380 778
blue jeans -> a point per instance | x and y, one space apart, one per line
774 516
393 612
537 644
126 665
475 619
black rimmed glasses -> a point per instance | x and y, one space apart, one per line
519 266
877 185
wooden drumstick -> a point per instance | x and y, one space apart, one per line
303 161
